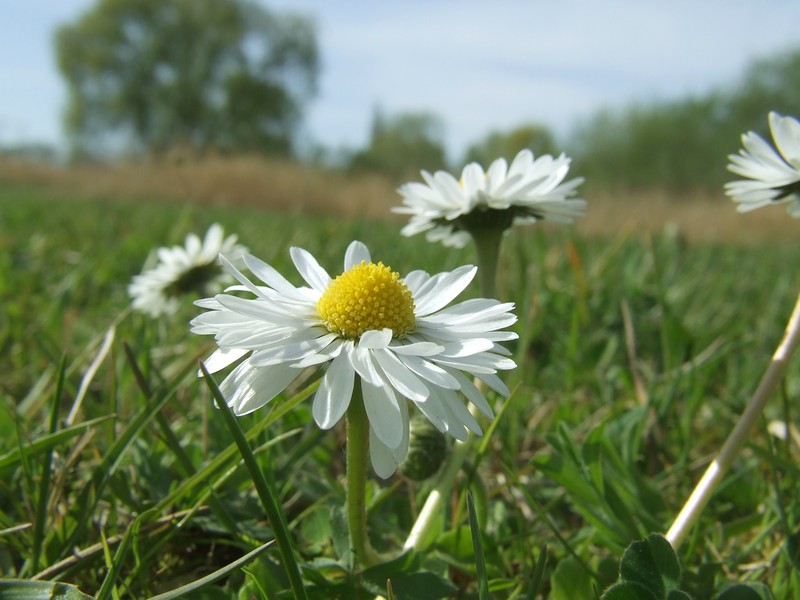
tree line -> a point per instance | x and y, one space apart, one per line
231 76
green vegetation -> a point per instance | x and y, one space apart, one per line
401 145
636 355
147 76
535 138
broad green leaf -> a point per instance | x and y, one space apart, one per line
653 564
570 581
23 589
741 591
627 590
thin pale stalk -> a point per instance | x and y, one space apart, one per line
426 520
730 449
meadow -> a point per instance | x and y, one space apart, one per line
643 330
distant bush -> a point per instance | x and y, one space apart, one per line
683 144
402 144
536 138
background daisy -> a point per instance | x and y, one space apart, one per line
528 190
772 174
192 268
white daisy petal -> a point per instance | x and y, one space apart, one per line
333 396
415 280
786 132
356 253
434 411
361 359
222 358
472 393
459 413
494 382
441 289
309 269
247 389
269 275
291 351
430 372
418 349
376 339
383 459
401 378
383 411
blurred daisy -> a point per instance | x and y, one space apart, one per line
450 209
191 268
393 336
773 174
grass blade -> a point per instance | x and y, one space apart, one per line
44 483
212 577
271 506
538 574
119 556
10 460
480 561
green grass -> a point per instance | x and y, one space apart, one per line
600 444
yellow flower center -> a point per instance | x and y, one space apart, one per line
367 297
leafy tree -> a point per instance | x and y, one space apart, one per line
223 74
536 138
402 144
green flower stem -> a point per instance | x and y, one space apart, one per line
487 244
730 449
357 464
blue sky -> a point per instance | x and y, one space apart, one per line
479 65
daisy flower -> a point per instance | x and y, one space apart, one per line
529 190
772 174
180 270
395 337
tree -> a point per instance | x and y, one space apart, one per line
402 144
497 144
154 74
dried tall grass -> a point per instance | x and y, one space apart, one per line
290 187
241 181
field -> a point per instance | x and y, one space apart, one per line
643 331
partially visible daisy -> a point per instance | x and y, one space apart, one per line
367 326
773 174
191 268
529 190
